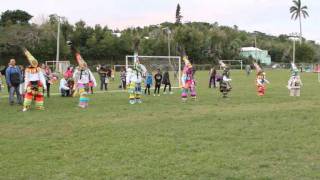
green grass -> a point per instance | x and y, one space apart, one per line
243 137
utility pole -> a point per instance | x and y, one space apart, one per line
169 42
294 36
58 44
255 46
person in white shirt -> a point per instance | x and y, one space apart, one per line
64 89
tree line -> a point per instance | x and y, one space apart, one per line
204 43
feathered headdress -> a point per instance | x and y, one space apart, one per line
33 61
258 69
187 62
77 55
139 67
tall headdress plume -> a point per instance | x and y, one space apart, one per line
33 61
81 62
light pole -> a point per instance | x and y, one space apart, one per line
169 42
255 46
58 43
294 36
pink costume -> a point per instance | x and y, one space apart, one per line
188 82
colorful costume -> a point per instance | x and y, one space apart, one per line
35 83
294 83
188 82
225 85
83 77
134 79
261 80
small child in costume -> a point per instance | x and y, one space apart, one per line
188 82
225 85
83 78
148 83
35 83
261 80
134 81
295 82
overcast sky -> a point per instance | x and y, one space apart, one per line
270 16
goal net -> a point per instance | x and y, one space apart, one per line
58 66
172 64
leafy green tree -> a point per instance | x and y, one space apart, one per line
178 15
297 12
202 42
305 53
15 17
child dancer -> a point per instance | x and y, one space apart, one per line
294 83
157 82
188 82
261 80
148 83
225 85
82 77
134 80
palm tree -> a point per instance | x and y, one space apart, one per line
297 11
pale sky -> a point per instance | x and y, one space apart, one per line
269 16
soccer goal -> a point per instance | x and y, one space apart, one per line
234 64
58 66
172 64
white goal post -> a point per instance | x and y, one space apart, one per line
58 66
239 61
172 64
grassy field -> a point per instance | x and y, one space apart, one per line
242 137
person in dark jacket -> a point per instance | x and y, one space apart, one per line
14 78
103 78
157 82
166 82
212 74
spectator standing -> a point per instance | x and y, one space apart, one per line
103 78
212 76
14 78
123 79
166 82
47 75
